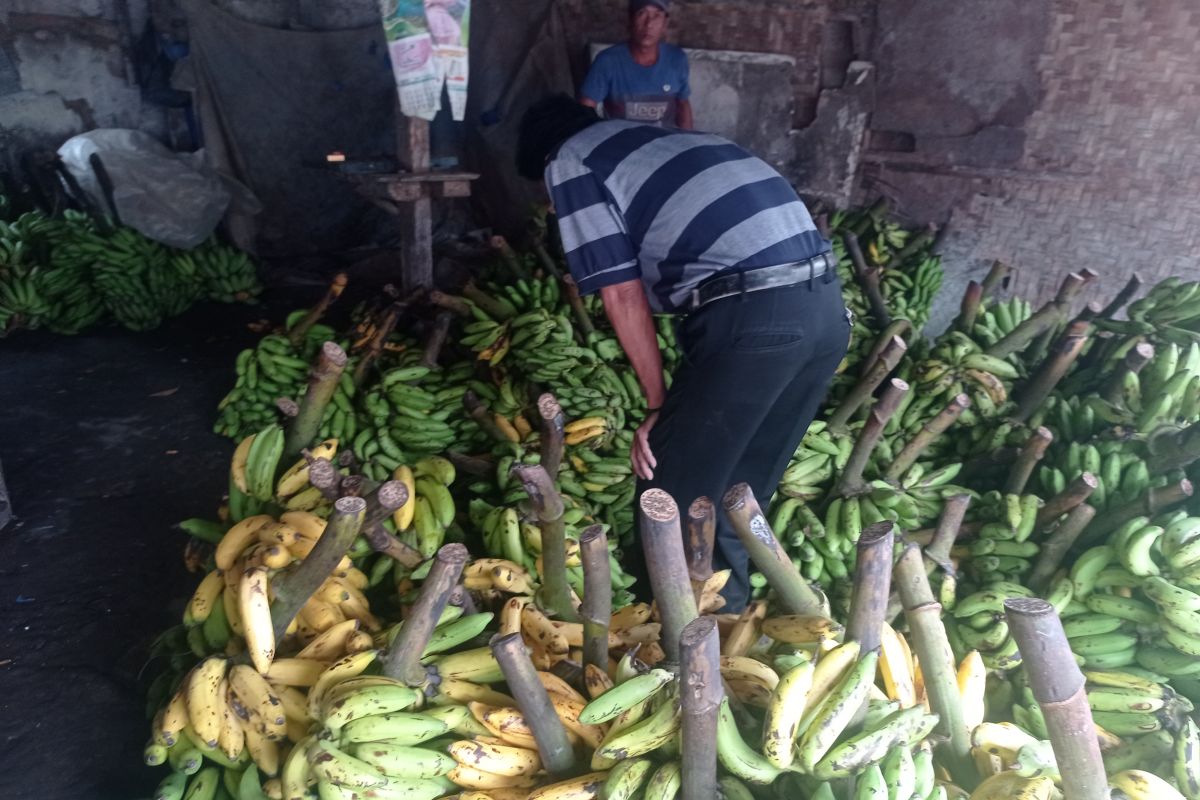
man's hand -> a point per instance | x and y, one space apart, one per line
640 456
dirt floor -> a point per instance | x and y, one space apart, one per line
106 441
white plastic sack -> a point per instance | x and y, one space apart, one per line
170 197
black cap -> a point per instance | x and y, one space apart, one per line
637 5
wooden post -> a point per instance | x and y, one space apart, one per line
322 383
416 218
1056 546
850 482
551 415
1031 453
295 587
928 434
1058 687
764 549
889 357
521 676
932 648
404 656
547 504
596 606
700 698
662 542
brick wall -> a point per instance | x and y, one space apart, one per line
1110 166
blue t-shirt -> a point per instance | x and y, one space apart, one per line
636 93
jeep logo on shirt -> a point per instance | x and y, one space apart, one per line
646 111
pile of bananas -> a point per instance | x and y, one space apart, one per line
911 274
66 273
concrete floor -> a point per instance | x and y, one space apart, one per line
106 441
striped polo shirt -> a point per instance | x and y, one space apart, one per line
672 208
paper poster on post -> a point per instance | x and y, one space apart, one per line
427 43
414 66
449 24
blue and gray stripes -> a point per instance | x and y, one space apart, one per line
672 208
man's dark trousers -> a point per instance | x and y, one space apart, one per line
755 369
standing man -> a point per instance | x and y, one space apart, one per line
644 79
659 220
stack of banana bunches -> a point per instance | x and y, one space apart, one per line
995 446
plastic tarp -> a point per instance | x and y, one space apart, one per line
271 100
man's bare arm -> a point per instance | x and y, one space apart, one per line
683 114
628 310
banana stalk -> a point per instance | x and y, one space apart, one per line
662 542
752 528
969 308
479 412
436 339
295 588
1056 545
1127 293
323 475
868 279
700 700
1058 687
889 357
998 273
1176 450
701 535
1137 358
1047 317
929 433
322 382
548 506
300 330
938 670
872 584
850 482
551 415
383 542
383 330
404 656
1031 453
1078 491
596 607
1064 353
548 730
1151 503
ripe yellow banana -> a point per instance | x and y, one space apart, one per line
296 478
230 738
895 665
972 688
204 699
255 609
801 629
585 787
237 467
496 759
330 644
203 599
238 538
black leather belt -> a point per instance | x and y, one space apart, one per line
736 283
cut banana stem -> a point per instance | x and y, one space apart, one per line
969 308
548 506
553 744
698 546
383 542
1058 687
889 357
404 656
928 434
1019 338
297 333
748 520
374 348
1154 501
551 443
1062 356
1127 293
1176 450
938 670
662 542
700 700
850 482
1078 491
1056 545
383 500
996 274
872 585
868 278
1137 358
596 607
324 475
479 412
296 587
322 382
1032 452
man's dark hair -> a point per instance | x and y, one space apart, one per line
548 123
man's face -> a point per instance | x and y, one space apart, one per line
647 26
